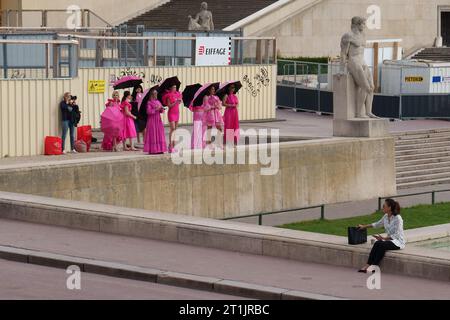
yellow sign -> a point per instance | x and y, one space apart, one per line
96 86
414 79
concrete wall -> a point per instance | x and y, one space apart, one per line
29 109
316 30
311 173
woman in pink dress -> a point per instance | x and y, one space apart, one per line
129 129
199 128
213 117
231 117
155 141
109 142
172 99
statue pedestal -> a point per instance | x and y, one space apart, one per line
367 128
345 124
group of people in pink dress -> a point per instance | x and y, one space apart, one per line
208 114
124 119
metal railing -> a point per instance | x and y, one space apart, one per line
433 196
14 18
32 55
50 58
261 215
168 50
322 207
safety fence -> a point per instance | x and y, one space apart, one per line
322 207
408 92
52 55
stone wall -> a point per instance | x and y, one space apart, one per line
311 173
316 30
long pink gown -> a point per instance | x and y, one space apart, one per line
155 141
108 140
129 129
213 105
199 128
231 120
174 112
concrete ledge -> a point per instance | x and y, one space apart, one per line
187 281
243 289
238 237
428 233
118 270
301 295
300 174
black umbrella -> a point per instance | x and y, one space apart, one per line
166 85
189 93
143 104
203 91
127 82
224 88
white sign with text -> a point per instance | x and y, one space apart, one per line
213 51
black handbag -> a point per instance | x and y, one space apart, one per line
357 236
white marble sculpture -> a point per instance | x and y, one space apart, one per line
353 44
203 21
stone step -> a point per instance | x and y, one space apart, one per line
422 136
422 145
424 177
423 183
423 150
437 160
412 142
425 166
422 172
418 132
423 156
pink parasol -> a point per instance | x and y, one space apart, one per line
112 121
223 89
202 92
127 82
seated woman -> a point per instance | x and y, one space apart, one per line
395 240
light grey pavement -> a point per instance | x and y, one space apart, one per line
308 277
30 282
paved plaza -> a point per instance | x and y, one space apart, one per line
328 280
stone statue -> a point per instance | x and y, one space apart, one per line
203 20
352 56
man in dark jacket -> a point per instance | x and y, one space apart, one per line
67 122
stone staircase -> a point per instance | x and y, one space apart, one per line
423 158
433 54
173 15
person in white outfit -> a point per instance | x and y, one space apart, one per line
395 240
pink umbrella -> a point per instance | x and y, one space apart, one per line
202 92
223 90
112 121
127 82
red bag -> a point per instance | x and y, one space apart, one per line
84 133
53 146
